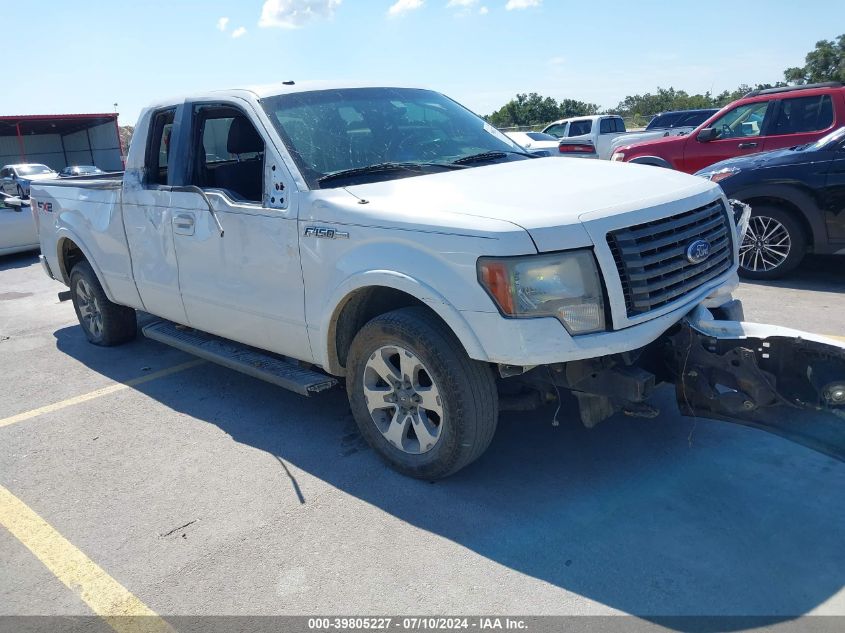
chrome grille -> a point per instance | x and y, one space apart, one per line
652 262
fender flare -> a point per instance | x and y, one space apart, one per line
651 160
64 233
397 281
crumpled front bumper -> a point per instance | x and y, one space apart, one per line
777 379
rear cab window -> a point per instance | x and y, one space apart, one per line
580 128
158 148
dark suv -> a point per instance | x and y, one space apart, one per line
797 199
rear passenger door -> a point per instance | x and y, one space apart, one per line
147 219
239 269
799 120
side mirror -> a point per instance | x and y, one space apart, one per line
707 134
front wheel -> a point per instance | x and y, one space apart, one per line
104 322
425 407
773 245
20 193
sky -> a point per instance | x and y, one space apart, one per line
71 57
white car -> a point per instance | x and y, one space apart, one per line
15 180
548 145
388 237
600 130
17 230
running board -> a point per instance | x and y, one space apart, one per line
242 358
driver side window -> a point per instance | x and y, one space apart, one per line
743 121
228 153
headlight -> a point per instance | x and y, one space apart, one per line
563 285
720 174
617 156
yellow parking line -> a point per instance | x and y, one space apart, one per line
106 597
26 415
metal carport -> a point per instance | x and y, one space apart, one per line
59 140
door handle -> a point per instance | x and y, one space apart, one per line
747 145
184 224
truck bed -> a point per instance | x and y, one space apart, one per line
111 180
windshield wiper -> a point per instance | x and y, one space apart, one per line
492 155
382 168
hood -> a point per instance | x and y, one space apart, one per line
654 142
548 197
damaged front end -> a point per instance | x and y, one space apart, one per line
784 381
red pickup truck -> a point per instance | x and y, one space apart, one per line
762 120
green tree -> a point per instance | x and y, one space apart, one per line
826 62
572 107
646 105
533 109
726 97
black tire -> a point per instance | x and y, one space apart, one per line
752 263
467 392
20 193
116 324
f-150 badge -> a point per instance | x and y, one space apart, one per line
325 233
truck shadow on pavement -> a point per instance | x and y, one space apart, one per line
662 517
18 260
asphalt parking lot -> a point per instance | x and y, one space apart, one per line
202 491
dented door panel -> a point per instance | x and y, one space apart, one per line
784 381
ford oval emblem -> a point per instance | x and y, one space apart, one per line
698 251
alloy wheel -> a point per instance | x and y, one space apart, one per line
766 244
403 399
89 308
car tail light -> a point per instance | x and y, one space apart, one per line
576 148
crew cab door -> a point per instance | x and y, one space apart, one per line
147 218
235 231
738 132
779 380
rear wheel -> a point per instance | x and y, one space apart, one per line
425 407
104 323
773 245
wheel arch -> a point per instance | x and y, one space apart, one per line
70 250
800 205
361 299
656 161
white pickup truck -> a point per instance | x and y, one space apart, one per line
600 130
388 236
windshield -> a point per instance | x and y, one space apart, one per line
332 131
833 137
31 170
